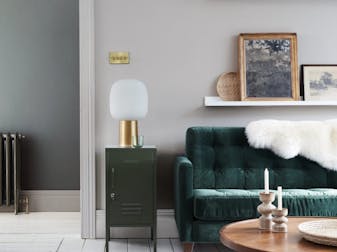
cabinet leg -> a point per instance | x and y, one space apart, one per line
154 237
106 245
107 238
154 245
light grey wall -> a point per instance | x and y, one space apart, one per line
39 88
179 48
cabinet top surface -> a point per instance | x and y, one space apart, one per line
130 148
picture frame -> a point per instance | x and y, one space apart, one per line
319 82
268 68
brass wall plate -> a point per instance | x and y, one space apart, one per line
119 58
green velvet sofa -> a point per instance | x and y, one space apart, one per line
219 179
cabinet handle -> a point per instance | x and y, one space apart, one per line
112 177
113 196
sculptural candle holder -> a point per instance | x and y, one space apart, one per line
280 220
265 209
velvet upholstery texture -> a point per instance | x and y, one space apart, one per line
220 177
238 204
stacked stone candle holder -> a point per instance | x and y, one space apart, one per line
265 209
280 220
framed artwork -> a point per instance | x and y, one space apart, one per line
268 66
320 82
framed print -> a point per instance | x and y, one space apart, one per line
268 66
320 82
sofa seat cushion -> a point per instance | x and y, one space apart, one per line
238 204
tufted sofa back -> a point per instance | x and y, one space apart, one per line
222 158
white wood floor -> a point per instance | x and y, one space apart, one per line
60 232
54 243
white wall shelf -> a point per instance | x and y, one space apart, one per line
215 101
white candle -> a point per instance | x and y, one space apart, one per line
279 197
266 180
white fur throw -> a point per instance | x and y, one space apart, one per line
314 140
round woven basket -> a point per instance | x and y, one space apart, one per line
322 232
228 87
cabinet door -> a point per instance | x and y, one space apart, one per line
132 188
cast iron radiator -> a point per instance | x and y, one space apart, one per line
10 171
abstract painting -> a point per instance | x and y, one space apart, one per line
268 67
320 82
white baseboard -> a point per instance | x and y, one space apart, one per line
166 227
53 200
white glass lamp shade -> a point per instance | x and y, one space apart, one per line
128 100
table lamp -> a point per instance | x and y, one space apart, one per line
128 103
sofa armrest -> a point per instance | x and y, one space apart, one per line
183 197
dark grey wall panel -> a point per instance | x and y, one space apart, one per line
39 88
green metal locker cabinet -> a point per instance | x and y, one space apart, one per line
131 189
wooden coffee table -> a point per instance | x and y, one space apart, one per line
244 236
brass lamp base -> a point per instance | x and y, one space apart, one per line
127 129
